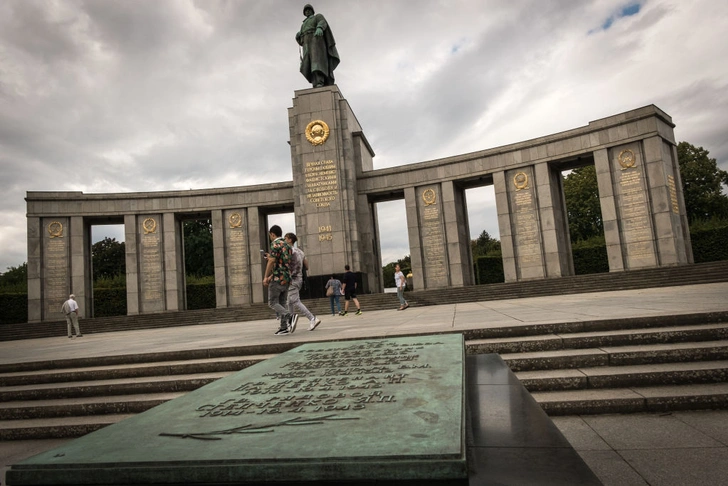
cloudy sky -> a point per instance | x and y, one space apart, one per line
148 95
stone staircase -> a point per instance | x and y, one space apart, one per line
605 366
635 279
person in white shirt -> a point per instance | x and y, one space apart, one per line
401 283
298 263
70 310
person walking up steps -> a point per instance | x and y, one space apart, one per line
298 263
333 291
349 288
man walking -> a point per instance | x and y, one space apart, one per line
401 283
277 278
349 288
298 264
70 310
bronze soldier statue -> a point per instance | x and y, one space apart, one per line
319 56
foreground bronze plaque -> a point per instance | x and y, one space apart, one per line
352 410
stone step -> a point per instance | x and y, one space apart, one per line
634 399
126 386
134 370
83 406
616 356
633 279
56 428
625 376
582 340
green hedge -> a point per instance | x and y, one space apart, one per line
201 296
15 308
109 302
710 245
590 259
489 269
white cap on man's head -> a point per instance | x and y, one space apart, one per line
73 296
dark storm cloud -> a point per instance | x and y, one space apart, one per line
137 95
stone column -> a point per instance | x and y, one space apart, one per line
505 228
55 266
554 222
641 193
150 248
80 265
433 243
218 255
257 240
35 251
174 275
237 255
328 152
526 225
459 253
132 241
415 238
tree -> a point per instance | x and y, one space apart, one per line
701 181
405 265
109 258
15 279
199 259
485 245
582 204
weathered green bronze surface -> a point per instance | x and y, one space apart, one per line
350 410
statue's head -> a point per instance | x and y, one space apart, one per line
308 10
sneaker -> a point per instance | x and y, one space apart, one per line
70 337
314 323
358 312
344 313
79 335
405 306
281 332
292 323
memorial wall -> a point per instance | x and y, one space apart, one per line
334 193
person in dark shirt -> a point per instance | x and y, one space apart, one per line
349 288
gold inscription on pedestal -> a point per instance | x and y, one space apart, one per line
322 182
325 233
528 241
635 217
673 194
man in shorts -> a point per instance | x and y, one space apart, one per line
349 288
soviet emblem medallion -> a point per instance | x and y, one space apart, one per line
317 132
626 159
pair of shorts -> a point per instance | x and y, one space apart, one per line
349 295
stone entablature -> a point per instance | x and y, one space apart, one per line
334 194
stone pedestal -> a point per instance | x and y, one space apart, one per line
334 225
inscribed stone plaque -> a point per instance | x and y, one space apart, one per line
352 410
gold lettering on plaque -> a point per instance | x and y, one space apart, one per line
55 229
149 225
325 233
317 132
520 180
626 159
429 197
322 182
235 220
